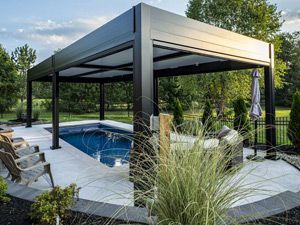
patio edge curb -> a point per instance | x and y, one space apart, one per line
245 213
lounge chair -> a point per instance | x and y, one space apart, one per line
16 142
18 152
25 175
36 156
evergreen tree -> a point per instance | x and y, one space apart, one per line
241 118
24 58
178 114
207 118
294 124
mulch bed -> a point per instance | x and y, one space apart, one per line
16 212
291 155
291 217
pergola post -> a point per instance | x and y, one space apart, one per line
102 103
155 96
29 104
55 111
270 107
143 98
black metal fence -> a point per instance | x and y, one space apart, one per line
281 129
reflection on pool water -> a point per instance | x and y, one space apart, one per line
106 144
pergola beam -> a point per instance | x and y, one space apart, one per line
124 78
124 67
211 67
104 68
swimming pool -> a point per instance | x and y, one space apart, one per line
108 145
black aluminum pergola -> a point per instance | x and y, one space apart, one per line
146 43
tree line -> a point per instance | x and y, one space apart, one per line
255 18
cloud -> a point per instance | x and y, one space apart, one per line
55 33
49 35
291 20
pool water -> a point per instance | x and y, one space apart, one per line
108 145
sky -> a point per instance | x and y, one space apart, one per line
47 25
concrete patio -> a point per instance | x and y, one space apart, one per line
101 183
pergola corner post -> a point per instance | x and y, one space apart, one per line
102 102
29 104
55 111
142 99
155 96
270 107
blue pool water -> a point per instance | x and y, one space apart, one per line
108 145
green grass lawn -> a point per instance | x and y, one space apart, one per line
121 116
280 112
46 117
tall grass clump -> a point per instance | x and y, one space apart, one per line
192 185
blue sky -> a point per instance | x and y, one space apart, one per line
47 25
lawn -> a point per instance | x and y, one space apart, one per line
280 112
46 117
121 116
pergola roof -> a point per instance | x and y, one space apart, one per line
143 44
181 46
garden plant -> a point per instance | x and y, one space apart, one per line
54 205
190 185
241 119
3 189
294 124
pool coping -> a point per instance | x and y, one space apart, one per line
245 213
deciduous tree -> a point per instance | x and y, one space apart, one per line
255 18
8 82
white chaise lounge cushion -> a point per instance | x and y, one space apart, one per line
223 132
211 143
206 144
232 137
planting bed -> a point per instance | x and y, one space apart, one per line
16 212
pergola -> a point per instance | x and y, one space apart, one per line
146 43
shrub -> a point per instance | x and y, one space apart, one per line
36 114
46 105
3 189
192 186
207 118
53 204
241 118
178 114
19 112
294 124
